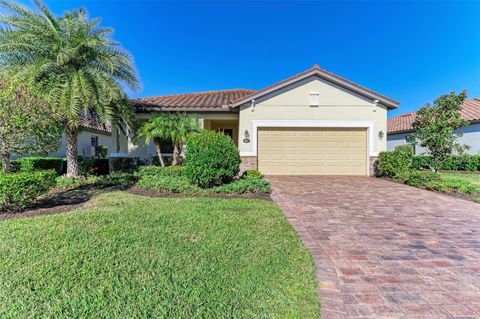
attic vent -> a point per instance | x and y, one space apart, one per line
314 98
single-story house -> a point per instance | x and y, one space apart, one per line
313 123
91 134
400 129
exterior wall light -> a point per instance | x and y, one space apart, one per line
381 135
246 136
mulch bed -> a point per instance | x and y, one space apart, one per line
63 201
153 193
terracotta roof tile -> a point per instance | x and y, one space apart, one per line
200 101
95 125
403 123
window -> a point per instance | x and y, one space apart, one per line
94 141
314 98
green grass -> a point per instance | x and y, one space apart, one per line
128 256
465 183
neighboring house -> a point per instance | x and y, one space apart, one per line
90 135
400 129
314 123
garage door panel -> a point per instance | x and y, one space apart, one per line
312 151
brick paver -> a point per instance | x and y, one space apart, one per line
386 250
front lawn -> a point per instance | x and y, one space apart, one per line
126 256
463 182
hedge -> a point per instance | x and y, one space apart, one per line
396 163
17 190
34 164
454 163
125 164
94 166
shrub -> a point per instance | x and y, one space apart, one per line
34 164
422 179
244 185
161 171
211 158
464 162
94 166
252 173
122 179
17 190
124 164
398 162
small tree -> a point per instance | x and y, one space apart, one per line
434 126
27 125
156 129
182 126
174 126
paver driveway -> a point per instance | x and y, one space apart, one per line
386 250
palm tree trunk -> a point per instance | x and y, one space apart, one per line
6 162
177 151
73 170
158 148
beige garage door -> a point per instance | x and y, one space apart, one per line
312 151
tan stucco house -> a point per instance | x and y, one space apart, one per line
313 123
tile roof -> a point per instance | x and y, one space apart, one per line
200 101
403 123
91 124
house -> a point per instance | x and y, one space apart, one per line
400 129
91 135
313 123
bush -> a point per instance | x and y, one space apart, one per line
211 158
161 171
464 162
252 173
17 190
244 185
94 166
422 179
125 164
167 183
34 164
398 162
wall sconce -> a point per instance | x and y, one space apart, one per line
246 136
381 135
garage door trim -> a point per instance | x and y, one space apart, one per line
319 124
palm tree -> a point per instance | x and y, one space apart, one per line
74 62
182 127
158 128
174 126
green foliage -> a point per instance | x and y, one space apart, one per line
173 180
125 164
174 171
465 162
211 158
72 61
434 126
101 151
391 164
115 179
127 256
17 190
27 124
252 173
33 164
94 166
422 179
173 126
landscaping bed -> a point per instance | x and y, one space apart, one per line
130 256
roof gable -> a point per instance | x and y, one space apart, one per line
325 75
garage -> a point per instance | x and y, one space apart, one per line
312 151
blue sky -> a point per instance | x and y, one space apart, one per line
409 51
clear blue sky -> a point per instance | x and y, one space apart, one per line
409 51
